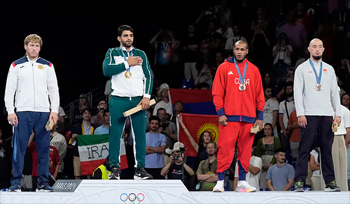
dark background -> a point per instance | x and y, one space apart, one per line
77 34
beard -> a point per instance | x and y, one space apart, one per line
289 95
317 57
126 44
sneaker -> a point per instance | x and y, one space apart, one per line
299 186
332 187
15 188
44 188
243 186
115 174
219 187
141 174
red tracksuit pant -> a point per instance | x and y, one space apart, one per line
228 136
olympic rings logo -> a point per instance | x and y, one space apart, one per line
132 197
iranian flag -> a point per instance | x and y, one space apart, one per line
93 150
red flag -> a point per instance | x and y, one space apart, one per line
196 124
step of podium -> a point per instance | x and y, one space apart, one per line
158 191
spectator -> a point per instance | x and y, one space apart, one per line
325 32
294 132
82 105
265 149
231 40
102 171
222 11
343 73
348 159
219 58
315 168
178 109
206 172
98 119
190 47
268 80
165 103
155 146
167 128
286 108
271 109
84 128
54 164
200 147
5 162
303 18
345 100
58 141
253 176
103 129
280 177
297 35
212 39
282 51
176 168
204 76
225 31
302 59
61 115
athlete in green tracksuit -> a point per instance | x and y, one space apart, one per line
131 85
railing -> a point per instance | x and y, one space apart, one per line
94 97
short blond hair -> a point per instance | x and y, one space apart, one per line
34 38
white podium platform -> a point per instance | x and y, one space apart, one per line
163 191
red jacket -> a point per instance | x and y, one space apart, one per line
246 106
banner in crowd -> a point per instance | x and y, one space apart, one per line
196 124
196 101
93 150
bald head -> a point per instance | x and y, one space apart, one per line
316 49
241 42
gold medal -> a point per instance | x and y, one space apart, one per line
318 87
242 87
128 74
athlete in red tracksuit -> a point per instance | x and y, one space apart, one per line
239 101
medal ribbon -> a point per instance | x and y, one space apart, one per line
239 72
318 77
130 53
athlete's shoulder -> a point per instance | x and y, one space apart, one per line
44 62
19 61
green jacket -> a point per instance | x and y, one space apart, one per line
139 79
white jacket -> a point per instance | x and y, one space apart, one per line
31 86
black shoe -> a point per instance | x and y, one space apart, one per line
332 187
115 173
299 186
44 188
141 174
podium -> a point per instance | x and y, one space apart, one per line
158 191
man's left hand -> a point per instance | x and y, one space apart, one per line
53 117
144 103
337 120
260 123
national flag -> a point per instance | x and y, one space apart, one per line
196 101
93 150
196 124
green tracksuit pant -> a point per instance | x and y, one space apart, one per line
118 105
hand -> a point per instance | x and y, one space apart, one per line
223 120
337 120
260 123
171 160
167 130
74 136
160 130
295 125
302 121
53 117
144 103
12 118
132 61
285 132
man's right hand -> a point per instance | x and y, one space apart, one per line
302 121
12 118
132 61
223 120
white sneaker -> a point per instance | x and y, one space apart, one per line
243 186
219 187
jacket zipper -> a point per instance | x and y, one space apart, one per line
33 83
